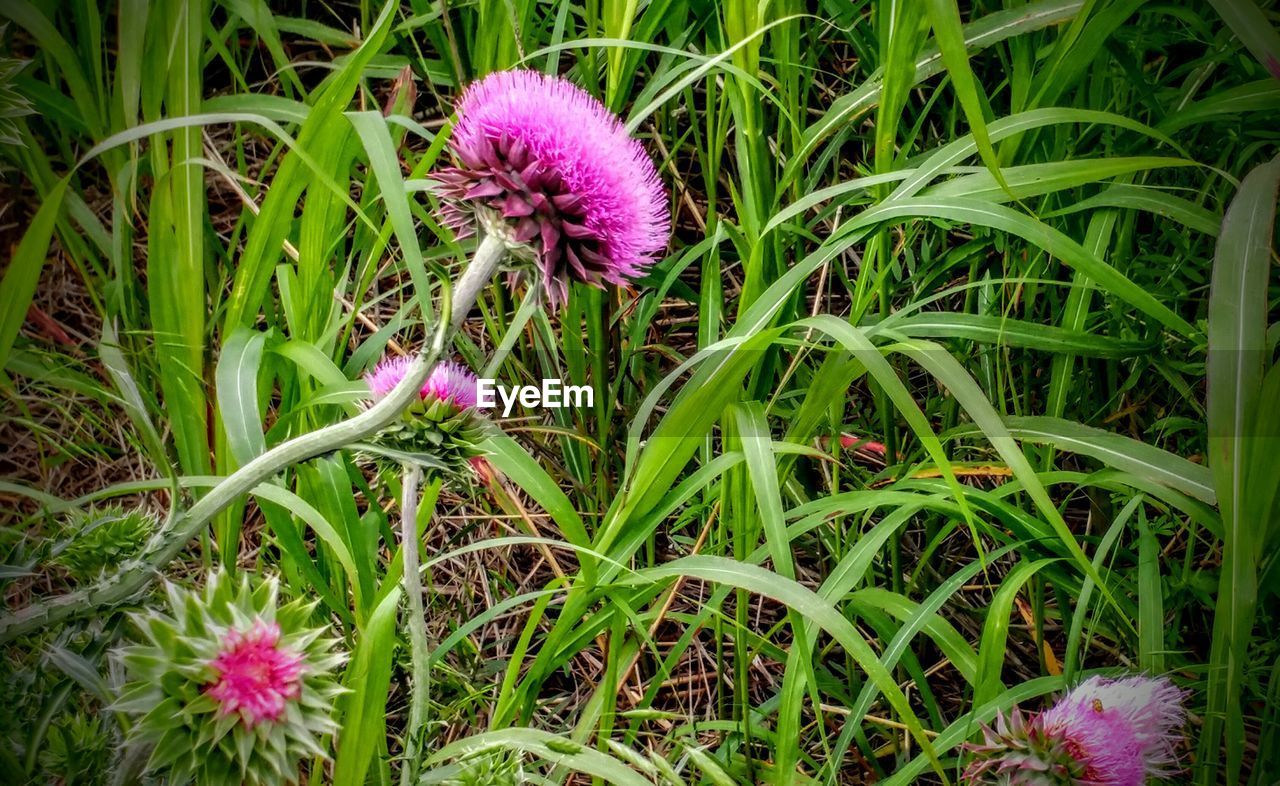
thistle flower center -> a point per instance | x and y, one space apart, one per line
256 676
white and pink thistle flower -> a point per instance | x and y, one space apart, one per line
550 170
256 675
448 382
1104 732
1146 709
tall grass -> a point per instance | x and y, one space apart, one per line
956 383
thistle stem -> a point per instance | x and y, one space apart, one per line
136 575
466 290
419 646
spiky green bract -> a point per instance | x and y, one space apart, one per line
102 538
1019 752
172 673
433 434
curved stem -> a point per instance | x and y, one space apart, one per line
419 646
136 575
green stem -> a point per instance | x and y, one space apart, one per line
419 647
137 574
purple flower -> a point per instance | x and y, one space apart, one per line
553 172
448 381
1102 733
451 381
386 375
1107 718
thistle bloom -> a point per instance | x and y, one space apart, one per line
256 675
441 431
229 686
449 382
1102 733
549 169
1150 710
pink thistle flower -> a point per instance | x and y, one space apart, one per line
1102 733
1273 65
1104 717
551 170
255 675
452 382
387 374
448 381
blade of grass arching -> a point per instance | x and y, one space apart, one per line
809 605
372 130
981 33
362 714
1150 599
23 273
1149 200
1238 350
1119 451
949 373
1033 180
1041 235
856 341
236 380
552 748
1260 96
263 243
993 648
944 16
920 617
991 329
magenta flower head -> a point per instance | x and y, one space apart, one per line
256 675
229 685
451 382
448 382
441 431
549 169
1102 733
